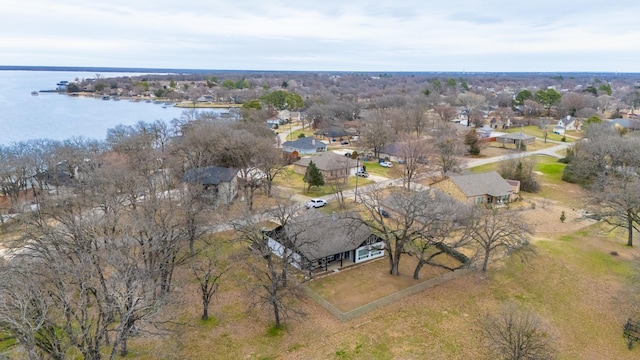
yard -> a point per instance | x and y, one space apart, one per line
293 182
582 292
362 284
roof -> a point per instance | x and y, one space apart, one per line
489 183
394 149
632 124
211 175
328 161
332 131
317 235
567 120
307 143
517 136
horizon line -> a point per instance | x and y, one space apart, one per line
204 71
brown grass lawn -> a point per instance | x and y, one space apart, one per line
577 287
582 293
360 285
582 282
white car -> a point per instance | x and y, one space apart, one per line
386 164
363 174
315 203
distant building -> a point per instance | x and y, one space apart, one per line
304 146
478 188
219 185
332 165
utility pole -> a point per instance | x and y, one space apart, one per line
357 157
520 141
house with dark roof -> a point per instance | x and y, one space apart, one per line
219 185
315 241
477 188
332 165
393 152
304 146
333 133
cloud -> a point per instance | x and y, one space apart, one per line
330 35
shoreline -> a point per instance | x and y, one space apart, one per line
183 104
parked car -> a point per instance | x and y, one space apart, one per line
363 174
386 164
383 212
344 142
315 203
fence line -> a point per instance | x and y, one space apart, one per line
361 310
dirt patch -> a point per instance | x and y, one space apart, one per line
543 217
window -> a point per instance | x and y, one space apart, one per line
479 200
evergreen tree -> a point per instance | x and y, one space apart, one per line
313 176
471 140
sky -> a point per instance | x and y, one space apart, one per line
328 35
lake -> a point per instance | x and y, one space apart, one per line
58 116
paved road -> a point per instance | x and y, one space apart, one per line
553 151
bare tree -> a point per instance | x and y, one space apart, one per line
416 115
208 271
521 169
471 102
492 230
416 153
442 217
517 335
378 132
446 112
407 219
272 283
449 148
608 166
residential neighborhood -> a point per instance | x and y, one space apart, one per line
313 223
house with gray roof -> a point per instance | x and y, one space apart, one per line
515 138
477 188
332 165
627 124
566 123
315 240
304 146
218 185
393 152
